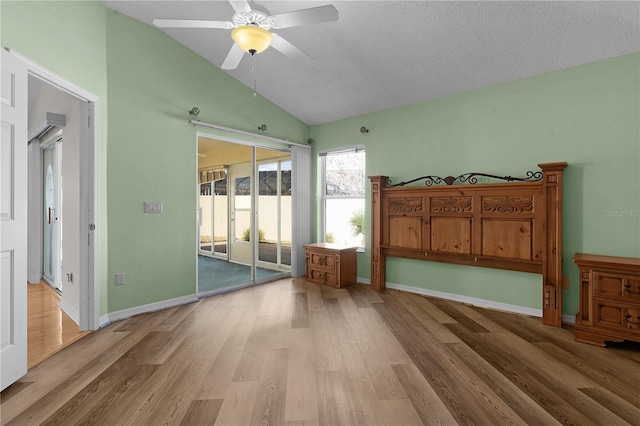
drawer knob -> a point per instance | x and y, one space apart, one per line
628 286
628 316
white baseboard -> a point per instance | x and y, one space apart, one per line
69 310
143 309
482 303
103 321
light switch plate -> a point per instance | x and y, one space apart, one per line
120 278
153 207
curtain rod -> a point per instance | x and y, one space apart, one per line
242 132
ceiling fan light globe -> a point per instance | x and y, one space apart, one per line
252 39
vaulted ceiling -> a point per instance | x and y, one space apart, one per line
384 54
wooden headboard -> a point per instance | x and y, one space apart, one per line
516 225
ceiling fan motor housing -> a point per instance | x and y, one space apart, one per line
255 17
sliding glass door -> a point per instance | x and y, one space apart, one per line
244 231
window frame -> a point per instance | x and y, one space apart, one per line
322 155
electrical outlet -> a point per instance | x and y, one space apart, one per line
120 278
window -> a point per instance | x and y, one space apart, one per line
343 186
268 178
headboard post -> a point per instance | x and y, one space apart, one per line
552 262
377 263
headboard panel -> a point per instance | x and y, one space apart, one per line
515 226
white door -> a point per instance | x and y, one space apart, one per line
13 220
241 212
52 214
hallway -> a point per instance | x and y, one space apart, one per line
49 328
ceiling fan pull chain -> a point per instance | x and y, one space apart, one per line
253 72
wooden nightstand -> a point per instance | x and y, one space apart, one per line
331 264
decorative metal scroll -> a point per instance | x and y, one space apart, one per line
471 178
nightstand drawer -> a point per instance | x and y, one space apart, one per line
322 260
322 277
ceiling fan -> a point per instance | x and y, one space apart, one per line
251 28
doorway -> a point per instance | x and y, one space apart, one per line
24 195
52 213
54 199
213 214
242 216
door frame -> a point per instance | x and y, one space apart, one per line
225 255
89 273
212 219
223 136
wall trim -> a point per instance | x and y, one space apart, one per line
103 321
145 309
481 303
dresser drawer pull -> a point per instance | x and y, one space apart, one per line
628 316
628 286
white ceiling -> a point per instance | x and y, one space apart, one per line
383 54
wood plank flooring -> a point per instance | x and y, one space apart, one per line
292 352
49 328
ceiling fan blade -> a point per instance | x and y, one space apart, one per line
240 5
314 15
233 58
191 23
288 49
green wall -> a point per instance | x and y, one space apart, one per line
588 116
147 148
153 82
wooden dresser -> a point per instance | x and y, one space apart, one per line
331 264
609 299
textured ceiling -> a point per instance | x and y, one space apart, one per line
383 54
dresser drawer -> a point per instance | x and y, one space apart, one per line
617 316
616 286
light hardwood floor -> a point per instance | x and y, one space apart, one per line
292 352
49 328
